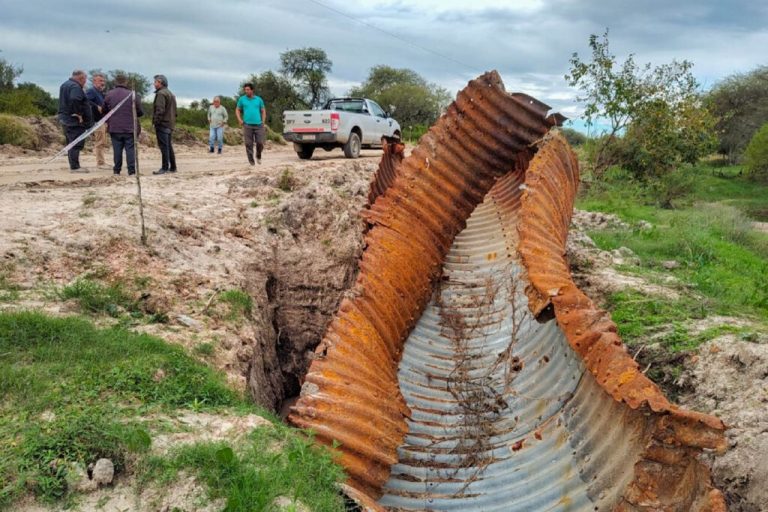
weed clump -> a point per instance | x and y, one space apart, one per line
14 131
287 181
95 297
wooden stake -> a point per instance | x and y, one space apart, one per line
138 174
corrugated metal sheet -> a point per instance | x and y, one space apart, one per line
385 174
554 427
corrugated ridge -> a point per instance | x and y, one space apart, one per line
433 471
412 227
385 174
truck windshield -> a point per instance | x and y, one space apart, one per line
346 105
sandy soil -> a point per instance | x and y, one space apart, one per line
34 167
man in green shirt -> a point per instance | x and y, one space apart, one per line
251 114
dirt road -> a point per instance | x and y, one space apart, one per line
26 169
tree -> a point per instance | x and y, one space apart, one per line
278 94
136 81
574 137
756 155
740 104
8 74
629 94
307 67
405 93
661 138
46 104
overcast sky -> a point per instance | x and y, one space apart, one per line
208 48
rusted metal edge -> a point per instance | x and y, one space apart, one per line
678 435
394 151
351 393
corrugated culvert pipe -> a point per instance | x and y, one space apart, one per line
465 370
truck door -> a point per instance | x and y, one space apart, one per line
381 122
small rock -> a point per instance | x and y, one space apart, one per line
103 472
189 322
644 225
48 416
670 264
77 478
159 375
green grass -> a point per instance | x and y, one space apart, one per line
92 382
239 302
641 317
9 291
723 259
95 297
272 462
71 393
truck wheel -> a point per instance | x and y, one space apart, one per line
304 151
352 147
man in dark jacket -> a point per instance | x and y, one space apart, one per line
121 125
74 115
164 119
95 95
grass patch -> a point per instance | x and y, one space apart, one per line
9 291
722 257
204 349
272 462
17 132
71 393
239 302
642 317
95 297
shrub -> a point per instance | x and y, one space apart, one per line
756 155
672 186
287 181
16 132
574 137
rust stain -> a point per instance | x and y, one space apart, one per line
418 205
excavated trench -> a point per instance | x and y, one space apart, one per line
464 370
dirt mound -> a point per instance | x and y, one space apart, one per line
48 130
729 377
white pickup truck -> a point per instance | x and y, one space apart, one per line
348 123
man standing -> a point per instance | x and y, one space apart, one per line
217 120
251 114
164 119
95 95
74 115
121 124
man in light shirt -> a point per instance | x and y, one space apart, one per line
217 120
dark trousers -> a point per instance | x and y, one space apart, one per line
165 144
122 141
71 133
251 133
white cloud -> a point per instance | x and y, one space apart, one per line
206 50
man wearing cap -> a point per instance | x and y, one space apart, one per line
164 119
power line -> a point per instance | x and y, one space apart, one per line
399 38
